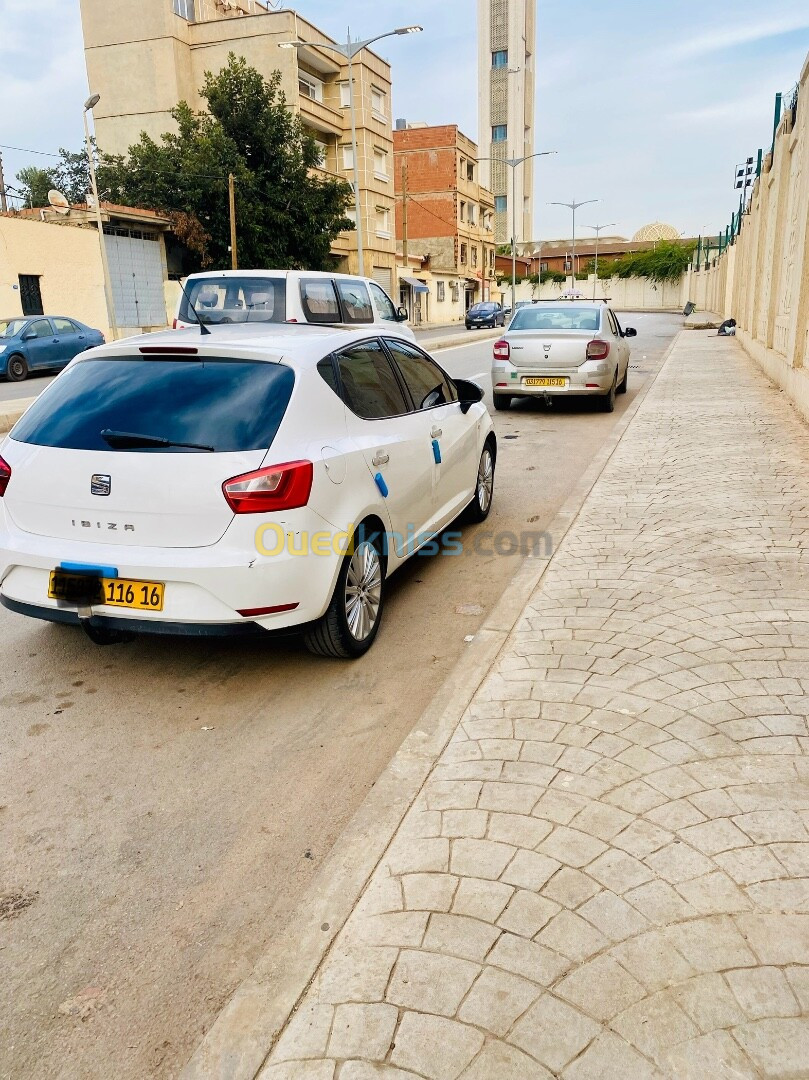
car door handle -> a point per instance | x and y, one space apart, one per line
381 459
436 433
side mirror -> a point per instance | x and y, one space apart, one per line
630 331
28 335
469 394
401 314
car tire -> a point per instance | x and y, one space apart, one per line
607 401
502 402
17 368
343 631
623 385
478 509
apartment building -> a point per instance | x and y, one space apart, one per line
448 219
506 87
143 60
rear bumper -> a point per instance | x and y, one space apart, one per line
578 383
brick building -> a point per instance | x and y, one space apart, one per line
446 218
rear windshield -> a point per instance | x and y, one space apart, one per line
228 405
539 317
235 299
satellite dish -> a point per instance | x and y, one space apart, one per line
58 201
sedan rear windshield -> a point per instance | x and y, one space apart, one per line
216 403
539 317
235 299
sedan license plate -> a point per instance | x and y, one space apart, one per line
112 592
544 382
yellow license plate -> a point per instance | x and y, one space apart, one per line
112 592
544 382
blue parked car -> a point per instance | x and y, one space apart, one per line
42 343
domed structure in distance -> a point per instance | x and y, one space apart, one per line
657 230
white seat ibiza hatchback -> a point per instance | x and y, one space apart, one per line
253 478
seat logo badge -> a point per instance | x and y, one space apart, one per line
100 484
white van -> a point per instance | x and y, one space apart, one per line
287 296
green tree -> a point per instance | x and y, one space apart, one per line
287 217
667 261
34 185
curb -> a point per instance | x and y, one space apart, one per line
242 1036
11 413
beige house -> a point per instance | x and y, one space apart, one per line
144 59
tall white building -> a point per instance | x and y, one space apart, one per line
506 84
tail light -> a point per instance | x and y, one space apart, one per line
174 324
598 350
5 476
280 487
502 350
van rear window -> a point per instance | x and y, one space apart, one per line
235 300
226 405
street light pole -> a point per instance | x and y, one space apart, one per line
598 229
574 207
349 51
89 105
512 164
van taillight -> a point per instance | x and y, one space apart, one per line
502 350
174 324
5 476
598 350
279 487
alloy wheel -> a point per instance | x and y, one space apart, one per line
485 479
363 591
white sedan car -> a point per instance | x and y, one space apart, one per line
255 478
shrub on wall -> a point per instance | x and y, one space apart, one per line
668 261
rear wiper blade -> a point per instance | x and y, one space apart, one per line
126 440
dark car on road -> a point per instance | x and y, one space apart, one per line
42 343
486 314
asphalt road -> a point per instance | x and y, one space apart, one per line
164 805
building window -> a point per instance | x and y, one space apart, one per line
500 58
499 133
470 172
463 255
379 102
348 155
380 164
185 9
440 291
491 256
543 266
345 95
474 255
500 204
323 151
463 210
31 295
471 213
383 222
309 86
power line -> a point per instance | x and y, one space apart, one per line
23 150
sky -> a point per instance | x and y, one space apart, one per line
650 105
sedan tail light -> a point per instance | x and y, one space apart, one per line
502 350
5 476
279 487
598 350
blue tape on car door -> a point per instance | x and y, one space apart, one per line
436 452
90 569
379 479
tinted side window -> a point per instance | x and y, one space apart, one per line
427 383
325 369
384 304
42 328
615 320
319 300
356 301
370 388
64 326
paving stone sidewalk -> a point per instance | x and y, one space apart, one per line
606 874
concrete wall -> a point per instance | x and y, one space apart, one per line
624 294
762 281
67 261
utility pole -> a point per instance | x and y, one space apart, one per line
234 255
404 214
3 203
